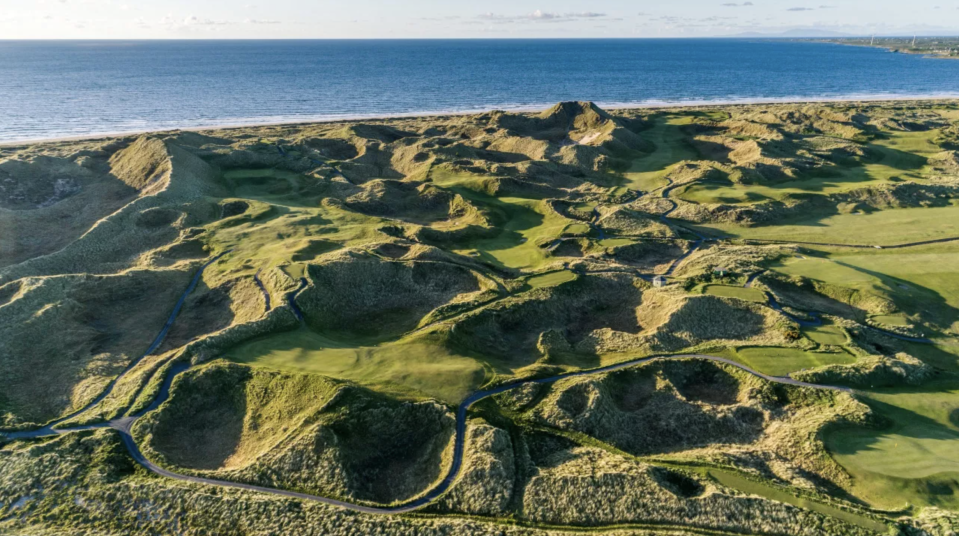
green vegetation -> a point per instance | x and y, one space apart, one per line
550 279
826 334
726 291
368 277
921 283
882 228
671 147
755 487
901 156
782 361
939 47
415 365
252 426
908 456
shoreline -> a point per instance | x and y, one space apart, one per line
892 49
647 105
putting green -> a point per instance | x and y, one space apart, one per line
727 291
530 221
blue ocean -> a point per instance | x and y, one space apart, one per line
72 88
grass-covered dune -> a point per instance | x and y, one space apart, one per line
335 290
302 432
694 409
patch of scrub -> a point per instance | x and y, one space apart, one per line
782 361
417 366
754 487
21 502
891 320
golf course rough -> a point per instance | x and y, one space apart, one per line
393 314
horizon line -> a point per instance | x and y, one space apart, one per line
744 35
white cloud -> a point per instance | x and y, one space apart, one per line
541 16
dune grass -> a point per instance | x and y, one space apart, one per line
755 487
913 456
416 366
901 155
782 361
891 320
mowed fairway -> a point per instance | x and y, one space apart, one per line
782 361
418 367
516 244
649 173
753 487
827 334
551 279
527 223
922 281
883 228
914 457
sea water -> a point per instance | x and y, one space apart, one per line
74 88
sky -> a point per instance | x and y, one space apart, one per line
328 19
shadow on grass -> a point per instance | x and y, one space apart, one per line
918 300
